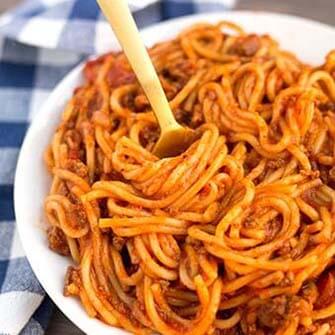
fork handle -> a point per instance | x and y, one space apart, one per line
125 29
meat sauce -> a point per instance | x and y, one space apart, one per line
326 288
119 74
57 241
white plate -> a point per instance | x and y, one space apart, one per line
309 40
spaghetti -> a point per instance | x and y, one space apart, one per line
234 236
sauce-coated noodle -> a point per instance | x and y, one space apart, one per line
234 236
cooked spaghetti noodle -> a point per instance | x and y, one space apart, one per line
234 236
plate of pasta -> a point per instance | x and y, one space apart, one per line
236 235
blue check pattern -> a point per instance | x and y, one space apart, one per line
31 64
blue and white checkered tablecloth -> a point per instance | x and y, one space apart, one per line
40 41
